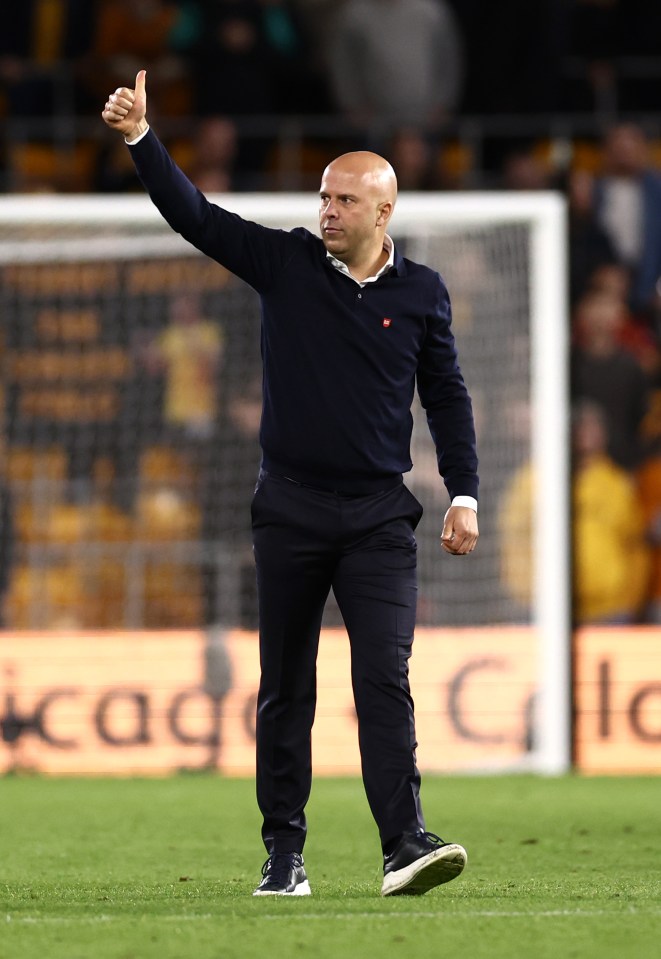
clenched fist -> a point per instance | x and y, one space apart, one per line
460 533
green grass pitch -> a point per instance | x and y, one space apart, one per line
135 869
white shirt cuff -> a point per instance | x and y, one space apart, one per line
137 139
468 501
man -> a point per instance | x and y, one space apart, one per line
396 63
627 202
348 326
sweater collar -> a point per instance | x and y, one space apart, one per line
341 267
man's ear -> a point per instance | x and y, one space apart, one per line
384 213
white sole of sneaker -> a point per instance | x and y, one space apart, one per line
420 876
302 889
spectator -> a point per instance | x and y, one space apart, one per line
188 352
608 375
628 205
611 556
414 160
590 246
233 70
396 63
523 169
250 59
212 164
172 396
612 279
234 76
635 335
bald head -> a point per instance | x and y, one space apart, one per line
372 171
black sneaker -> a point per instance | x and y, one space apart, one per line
284 875
419 862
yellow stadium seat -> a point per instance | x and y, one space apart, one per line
173 596
43 167
162 464
586 156
163 513
49 598
25 464
456 161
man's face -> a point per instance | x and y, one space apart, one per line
626 150
349 212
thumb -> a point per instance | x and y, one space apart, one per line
448 527
140 83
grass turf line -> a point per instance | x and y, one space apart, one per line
153 869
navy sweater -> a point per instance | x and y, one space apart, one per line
340 361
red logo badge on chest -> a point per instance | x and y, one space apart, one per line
386 321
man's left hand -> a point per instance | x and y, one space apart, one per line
460 532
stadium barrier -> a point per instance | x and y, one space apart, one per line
617 696
148 702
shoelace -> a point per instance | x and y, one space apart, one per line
433 838
278 865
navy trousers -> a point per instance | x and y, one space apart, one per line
308 541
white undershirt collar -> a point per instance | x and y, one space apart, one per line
341 267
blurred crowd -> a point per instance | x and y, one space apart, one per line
227 77
393 74
614 263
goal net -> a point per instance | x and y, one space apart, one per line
130 406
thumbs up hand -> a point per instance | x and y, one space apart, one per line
125 109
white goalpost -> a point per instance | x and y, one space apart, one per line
88 276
